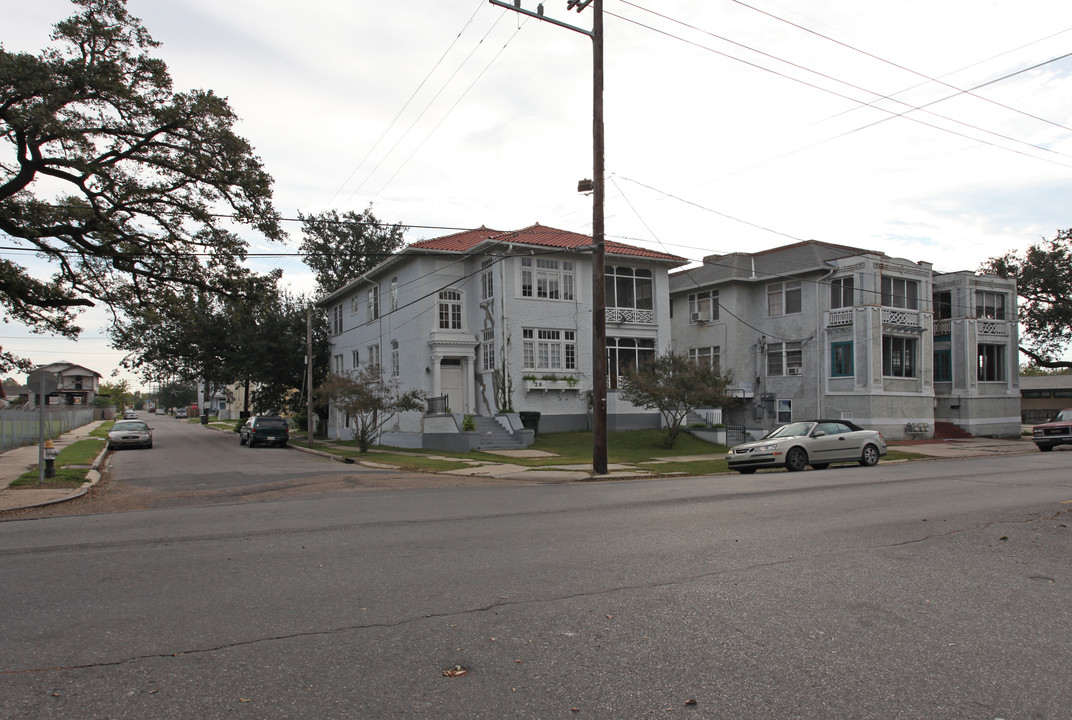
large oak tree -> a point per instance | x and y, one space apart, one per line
1044 285
116 179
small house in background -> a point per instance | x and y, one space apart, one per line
1043 396
77 385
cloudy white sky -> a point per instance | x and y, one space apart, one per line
935 131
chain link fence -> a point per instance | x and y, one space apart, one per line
21 426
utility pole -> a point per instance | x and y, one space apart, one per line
599 290
309 371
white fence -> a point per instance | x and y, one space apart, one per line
21 426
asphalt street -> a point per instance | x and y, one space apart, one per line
916 590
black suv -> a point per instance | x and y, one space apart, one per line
264 430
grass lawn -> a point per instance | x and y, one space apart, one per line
81 452
640 448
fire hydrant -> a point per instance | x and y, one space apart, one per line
50 458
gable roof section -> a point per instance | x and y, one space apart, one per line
787 260
538 236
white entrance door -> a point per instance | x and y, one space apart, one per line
452 383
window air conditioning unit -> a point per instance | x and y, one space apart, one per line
699 317
792 371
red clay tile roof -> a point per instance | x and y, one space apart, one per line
539 235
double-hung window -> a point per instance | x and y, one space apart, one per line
394 294
374 355
783 298
703 306
842 293
900 293
450 310
784 358
487 281
989 305
336 320
706 357
395 360
943 305
487 349
373 303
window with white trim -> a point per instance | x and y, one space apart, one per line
450 310
337 363
373 303
356 357
374 355
630 288
487 349
784 359
394 358
900 293
842 292
394 294
785 411
487 281
899 356
989 305
547 279
703 306
991 363
625 352
336 320
783 298
706 356
548 349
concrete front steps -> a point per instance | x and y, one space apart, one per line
493 436
949 431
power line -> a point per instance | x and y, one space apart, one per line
892 113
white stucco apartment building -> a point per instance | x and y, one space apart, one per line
490 324
819 330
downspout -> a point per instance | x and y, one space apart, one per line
819 381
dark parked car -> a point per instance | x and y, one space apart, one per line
815 442
264 430
130 433
1056 432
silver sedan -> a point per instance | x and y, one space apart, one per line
815 442
130 433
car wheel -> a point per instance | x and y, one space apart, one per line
241 439
111 447
796 460
149 446
283 444
249 443
869 457
820 466
746 471
1045 448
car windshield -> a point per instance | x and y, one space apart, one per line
792 430
271 423
1063 416
130 427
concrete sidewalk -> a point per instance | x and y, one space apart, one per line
15 462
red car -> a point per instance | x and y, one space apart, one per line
1056 432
